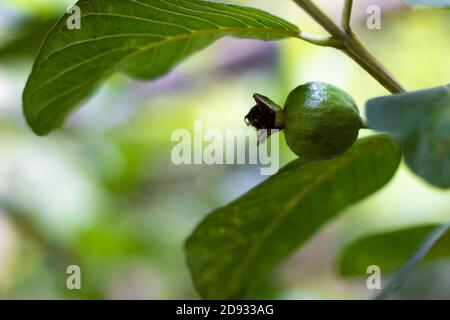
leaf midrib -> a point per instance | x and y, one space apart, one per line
254 250
191 35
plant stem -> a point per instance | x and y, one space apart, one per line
324 41
355 50
363 125
351 46
346 15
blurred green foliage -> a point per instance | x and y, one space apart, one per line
103 193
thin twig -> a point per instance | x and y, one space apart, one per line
324 41
346 15
351 45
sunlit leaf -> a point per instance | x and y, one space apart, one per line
420 120
142 38
241 242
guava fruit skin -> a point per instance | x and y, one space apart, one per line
322 121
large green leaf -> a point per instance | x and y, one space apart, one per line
239 243
142 38
389 250
420 120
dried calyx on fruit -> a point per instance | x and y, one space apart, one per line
320 120
266 115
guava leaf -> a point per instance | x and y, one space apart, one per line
237 244
420 120
390 250
426 246
142 38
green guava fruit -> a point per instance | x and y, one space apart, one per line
321 121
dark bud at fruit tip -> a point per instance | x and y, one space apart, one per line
266 114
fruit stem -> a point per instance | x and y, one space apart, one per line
280 120
363 125
351 45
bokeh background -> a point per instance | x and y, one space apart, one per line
103 193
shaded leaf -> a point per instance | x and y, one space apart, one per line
241 242
389 250
427 245
420 120
142 38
